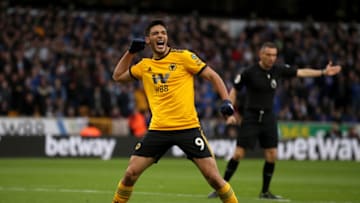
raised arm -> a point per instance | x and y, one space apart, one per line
121 73
330 70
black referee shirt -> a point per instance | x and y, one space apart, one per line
261 84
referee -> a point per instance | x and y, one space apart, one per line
259 122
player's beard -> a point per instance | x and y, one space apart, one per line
160 52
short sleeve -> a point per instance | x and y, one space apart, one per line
136 71
287 71
239 79
193 63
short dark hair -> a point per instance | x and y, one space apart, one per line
269 45
152 24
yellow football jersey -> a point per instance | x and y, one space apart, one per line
169 87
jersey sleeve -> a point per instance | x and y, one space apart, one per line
287 71
239 79
193 63
136 71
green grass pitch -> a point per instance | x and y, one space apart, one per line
62 180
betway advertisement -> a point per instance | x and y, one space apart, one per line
79 147
107 147
318 148
314 148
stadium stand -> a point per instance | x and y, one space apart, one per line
58 62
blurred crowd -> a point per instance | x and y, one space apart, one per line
56 62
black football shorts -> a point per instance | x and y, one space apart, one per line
265 131
191 141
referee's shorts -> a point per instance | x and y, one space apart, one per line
258 125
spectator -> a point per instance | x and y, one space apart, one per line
352 133
137 124
334 132
90 131
81 54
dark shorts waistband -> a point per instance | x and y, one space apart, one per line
175 131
